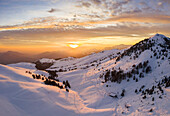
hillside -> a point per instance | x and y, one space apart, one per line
134 82
70 63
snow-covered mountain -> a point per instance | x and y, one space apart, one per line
134 81
70 63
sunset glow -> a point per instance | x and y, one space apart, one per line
97 24
73 45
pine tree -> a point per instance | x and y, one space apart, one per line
153 99
136 80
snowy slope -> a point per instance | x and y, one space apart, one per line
71 63
21 95
94 89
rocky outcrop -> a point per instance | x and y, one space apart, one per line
42 66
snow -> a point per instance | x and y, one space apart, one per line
21 95
47 60
71 63
23 65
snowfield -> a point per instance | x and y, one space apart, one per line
90 94
21 95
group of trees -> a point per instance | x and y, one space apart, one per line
53 74
119 75
61 69
37 76
147 44
137 49
53 83
165 82
160 53
157 89
29 72
67 84
167 42
51 80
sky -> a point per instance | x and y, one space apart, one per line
36 26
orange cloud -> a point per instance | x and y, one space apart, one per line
26 27
52 22
149 18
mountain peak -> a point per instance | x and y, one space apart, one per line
160 39
158 36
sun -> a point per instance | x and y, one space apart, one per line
73 45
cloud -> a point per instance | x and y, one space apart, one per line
167 1
136 10
89 3
66 24
53 10
90 16
6 38
52 1
86 4
51 34
97 2
115 5
99 37
143 3
150 18
120 46
35 41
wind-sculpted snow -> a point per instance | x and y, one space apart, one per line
134 82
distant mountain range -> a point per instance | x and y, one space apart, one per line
14 57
